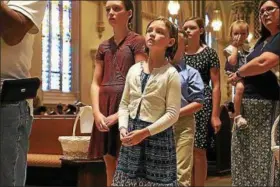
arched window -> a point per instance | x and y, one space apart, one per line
57 47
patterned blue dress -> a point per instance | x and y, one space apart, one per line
150 163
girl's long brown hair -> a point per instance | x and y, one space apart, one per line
200 22
173 33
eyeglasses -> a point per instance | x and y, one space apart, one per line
268 10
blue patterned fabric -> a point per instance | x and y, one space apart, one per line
252 160
150 163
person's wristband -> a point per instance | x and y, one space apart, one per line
238 74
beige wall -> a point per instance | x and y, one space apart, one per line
90 41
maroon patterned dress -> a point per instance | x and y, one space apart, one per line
117 60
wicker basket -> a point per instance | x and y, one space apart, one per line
274 146
75 147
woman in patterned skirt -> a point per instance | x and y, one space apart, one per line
252 159
149 107
206 61
113 60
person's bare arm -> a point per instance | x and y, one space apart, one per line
96 81
94 92
259 65
190 109
216 98
13 25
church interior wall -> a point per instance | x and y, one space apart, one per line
94 29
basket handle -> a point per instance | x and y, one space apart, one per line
76 121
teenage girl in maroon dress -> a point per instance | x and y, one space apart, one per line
113 59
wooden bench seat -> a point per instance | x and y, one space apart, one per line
44 160
44 148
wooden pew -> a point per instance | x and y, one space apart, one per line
44 148
45 153
219 157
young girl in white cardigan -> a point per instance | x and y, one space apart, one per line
149 107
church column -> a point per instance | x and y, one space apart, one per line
198 8
100 23
256 19
137 17
202 9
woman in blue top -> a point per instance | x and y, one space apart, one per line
251 155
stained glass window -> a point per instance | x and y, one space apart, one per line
57 47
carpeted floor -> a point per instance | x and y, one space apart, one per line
224 181
219 181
